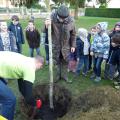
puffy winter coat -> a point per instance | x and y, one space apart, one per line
17 30
63 36
33 38
12 46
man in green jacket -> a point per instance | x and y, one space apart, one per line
16 66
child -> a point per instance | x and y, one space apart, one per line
46 43
111 70
100 49
7 38
90 38
16 28
82 51
115 59
33 38
72 62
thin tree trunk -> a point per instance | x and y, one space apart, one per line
31 10
50 60
7 7
76 12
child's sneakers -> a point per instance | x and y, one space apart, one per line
66 79
92 77
97 79
47 62
117 85
84 74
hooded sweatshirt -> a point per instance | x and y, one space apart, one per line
83 34
101 42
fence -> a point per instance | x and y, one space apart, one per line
22 12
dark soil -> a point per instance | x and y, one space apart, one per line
100 103
62 101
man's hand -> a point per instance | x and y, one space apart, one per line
48 22
72 49
38 103
91 53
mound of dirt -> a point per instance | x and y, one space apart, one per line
100 103
61 98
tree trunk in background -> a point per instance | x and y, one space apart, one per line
7 7
24 11
76 12
31 11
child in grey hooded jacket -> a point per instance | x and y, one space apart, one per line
100 49
83 46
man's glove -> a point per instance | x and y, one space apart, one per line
38 103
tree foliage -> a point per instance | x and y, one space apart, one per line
74 3
79 3
27 3
102 1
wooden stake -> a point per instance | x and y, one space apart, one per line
50 59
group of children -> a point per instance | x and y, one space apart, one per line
12 37
94 48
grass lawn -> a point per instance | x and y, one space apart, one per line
79 84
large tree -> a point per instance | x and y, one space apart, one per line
58 2
27 3
76 4
102 3
22 4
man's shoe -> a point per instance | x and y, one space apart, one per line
84 74
66 79
117 87
57 79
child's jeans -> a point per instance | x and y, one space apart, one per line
19 47
97 61
109 71
32 51
47 52
83 60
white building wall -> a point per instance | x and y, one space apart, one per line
114 4
4 3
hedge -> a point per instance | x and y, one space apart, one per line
103 12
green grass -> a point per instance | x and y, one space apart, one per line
79 84
88 22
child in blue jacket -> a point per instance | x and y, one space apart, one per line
16 28
100 49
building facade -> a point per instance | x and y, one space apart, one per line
5 3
